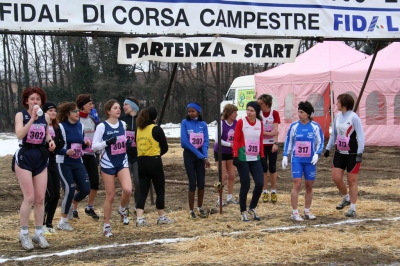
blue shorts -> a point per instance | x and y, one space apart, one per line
308 169
34 160
114 170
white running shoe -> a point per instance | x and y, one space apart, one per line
47 231
296 217
26 241
40 240
124 217
165 220
309 216
243 217
142 222
107 232
64 226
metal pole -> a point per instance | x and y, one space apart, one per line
219 159
367 76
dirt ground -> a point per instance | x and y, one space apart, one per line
372 238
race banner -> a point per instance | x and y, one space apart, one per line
367 19
206 49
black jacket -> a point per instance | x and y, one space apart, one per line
130 125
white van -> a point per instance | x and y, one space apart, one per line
241 91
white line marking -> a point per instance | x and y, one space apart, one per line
176 240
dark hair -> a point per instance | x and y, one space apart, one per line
64 109
146 117
228 110
46 107
83 99
108 105
31 90
346 100
266 98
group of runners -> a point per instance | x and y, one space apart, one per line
61 143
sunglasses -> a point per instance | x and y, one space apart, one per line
75 111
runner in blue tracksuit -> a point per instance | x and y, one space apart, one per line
304 142
194 141
69 160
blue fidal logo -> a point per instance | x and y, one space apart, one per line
359 23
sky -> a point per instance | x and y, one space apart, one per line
9 142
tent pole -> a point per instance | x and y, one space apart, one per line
332 103
367 76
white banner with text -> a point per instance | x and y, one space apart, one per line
280 18
206 49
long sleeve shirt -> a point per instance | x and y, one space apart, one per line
194 126
245 133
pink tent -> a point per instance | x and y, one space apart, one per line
308 78
379 107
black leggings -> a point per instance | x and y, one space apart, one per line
151 170
52 193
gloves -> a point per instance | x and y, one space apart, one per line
111 140
315 159
359 158
128 143
284 162
264 164
326 153
235 161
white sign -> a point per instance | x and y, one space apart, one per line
207 49
279 18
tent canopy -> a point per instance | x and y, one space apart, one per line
379 107
308 78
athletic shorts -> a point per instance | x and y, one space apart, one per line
224 156
113 171
307 169
346 162
34 160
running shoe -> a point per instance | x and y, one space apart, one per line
253 213
232 201
47 230
26 241
75 214
309 216
165 220
124 217
296 217
201 213
142 222
192 215
265 197
64 226
128 213
40 240
244 217
70 213
91 213
343 204
107 232
350 213
274 197
223 204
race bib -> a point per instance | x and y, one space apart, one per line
52 132
197 139
36 134
89 148
119 146
303 149
131 135
231 133
77 147
269 128
342 143
252 147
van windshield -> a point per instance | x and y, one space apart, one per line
230 95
